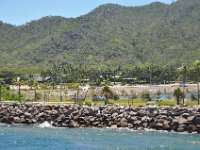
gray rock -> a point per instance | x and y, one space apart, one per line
163 112
95 123
130 125
114 114
26 114
40 115
132 113
159 125
16 120
182 120
190 119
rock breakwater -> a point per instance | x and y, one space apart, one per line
179 119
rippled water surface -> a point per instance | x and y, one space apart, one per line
34 138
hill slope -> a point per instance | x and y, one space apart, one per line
109 35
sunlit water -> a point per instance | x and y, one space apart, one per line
35 138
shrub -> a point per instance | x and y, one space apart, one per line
88 102
80 103
193 97
145 95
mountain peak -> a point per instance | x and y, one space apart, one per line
109 35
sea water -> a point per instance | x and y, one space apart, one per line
36 138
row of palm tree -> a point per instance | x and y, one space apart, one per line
183 71
2 82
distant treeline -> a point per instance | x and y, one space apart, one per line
144 74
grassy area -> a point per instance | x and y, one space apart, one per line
28 96
191 103
136 102
166 103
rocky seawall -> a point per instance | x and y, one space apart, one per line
179 119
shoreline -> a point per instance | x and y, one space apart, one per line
177 119
119 129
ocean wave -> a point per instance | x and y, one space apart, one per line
46 124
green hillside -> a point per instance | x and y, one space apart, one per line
109 35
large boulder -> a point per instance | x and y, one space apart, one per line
123 122
182 120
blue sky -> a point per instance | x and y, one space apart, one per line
18 12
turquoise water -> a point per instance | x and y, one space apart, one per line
34 138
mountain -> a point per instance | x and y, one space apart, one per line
109 35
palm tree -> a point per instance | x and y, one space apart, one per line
31 83
1 84
183 72
133 95
35 85
178 94
53 84
107 92
18 82
61 90
196 68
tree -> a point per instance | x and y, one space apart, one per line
107 92
178 94
53 84
133 95
18 82
145 95
183 72
31 83
196 68
2 82
61 90
115 72
35 85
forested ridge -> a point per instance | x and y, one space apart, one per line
108 36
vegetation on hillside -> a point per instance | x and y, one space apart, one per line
109 36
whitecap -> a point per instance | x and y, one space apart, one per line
45 124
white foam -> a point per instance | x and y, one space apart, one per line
45 124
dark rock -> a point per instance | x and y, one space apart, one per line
197 120
191 128
162 118
185 115
181 128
